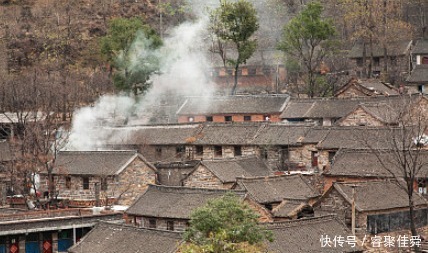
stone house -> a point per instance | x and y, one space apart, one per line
112 237
173 173
222 174
367 88
364 165
114 176
380 206
304 235
270 191
417 81
169 207
371 114
397 59
256 108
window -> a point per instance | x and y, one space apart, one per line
314 158
68 182
264 154
227 118
421 88
158 152
209 118
425 60
199 150
376 61
266 117
247 118
190 119
179 151
237 150
104 184
331 155
170 225
252 71
86 183
393 61
359 62
152 223
218 151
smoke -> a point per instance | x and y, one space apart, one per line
183 72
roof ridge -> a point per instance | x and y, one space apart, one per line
191 190
301 222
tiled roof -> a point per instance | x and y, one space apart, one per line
5 153
228 170
288 208
381 111
260 104
394 49
275 188
173 202
419 74
94 162
113 238
377 195
280 135
315 135
379 88
318 108
421 47
304 235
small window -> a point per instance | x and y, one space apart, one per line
331 155
264 154
227 118
68 182
247 118
104 185
359 62
376 61
209 118
237 150
152 223
252 71
425 60
86 183
199 150
179 150
314 158
170 225
421 88
158 151
218 151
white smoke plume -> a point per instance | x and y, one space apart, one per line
184 71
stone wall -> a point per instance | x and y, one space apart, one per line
124 188
161 223
359 117
352 91
203 178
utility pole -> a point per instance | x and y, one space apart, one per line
353 209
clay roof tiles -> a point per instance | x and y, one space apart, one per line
112 238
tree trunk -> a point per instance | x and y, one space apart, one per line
412 219
235 84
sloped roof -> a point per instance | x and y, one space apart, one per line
228 170
153 135
5 153
304 235
381 111
227 134
394 49
365 163
419 74
174 202
276 188
280 135
257 104
357 138
318 108
113 238
94 162
172 174
379 88
421 47
377 195
288 208
315 135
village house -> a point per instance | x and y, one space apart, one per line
272 190
380 206
305 235
364 165
254 108
110 237
291 209
365 88
417 81
173 173
397 59
48 230
222 174
169 207
84 178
